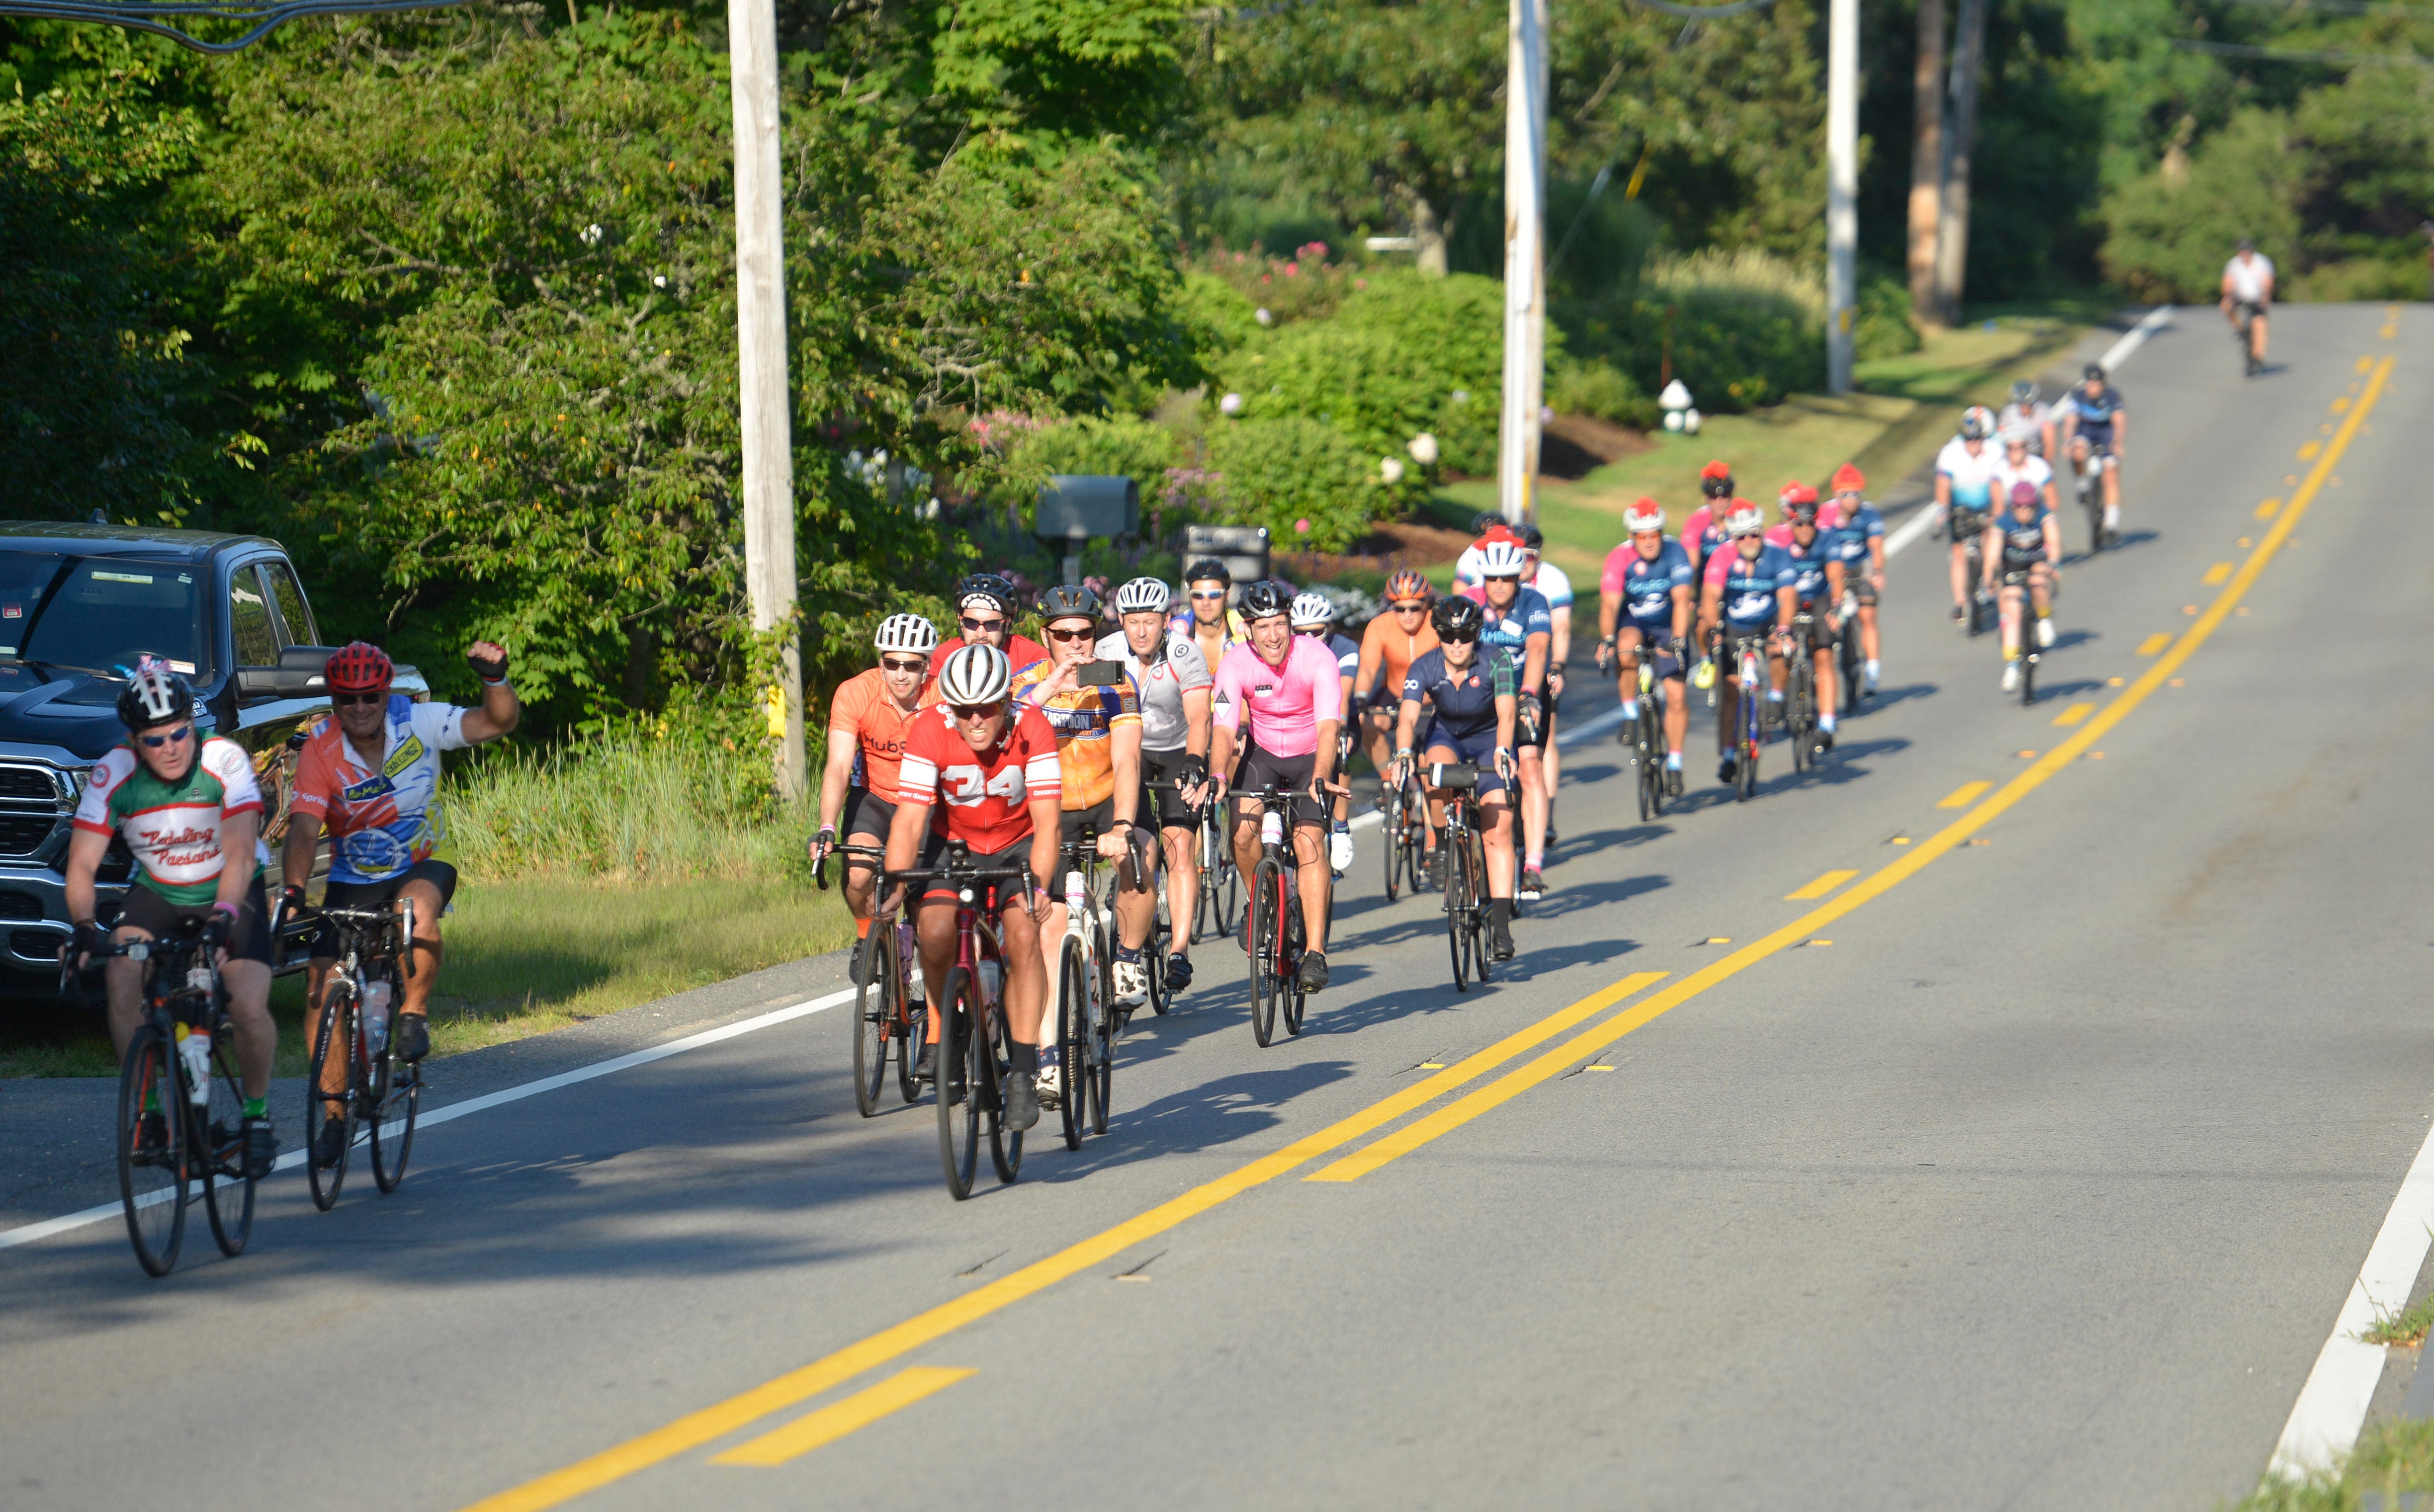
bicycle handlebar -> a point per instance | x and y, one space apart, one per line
820 867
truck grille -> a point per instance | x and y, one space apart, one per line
34 784
20 906
23 834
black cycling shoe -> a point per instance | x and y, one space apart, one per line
1959 613
1178 972
1500 941
1022 1102
412 1041
261 1149
1771 713
1825 741
1436 861
1673 782
925 1065
1312 975
152 1139
327 1146
1730 768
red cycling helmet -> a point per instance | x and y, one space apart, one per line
1849 480
1796 492
358 666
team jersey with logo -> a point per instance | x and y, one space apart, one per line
1851 541
1808 566
1972 472
2095 414
982 798
174 827
382 817
1509 629
1465 700
1085 720
2024 541
1647 587
863 716
1749 587
1160 686
1285 703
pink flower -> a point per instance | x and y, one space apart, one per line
1267 278
1360 284
1292 270
1301 527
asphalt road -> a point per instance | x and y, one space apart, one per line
2038 1186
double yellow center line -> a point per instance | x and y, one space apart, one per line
697 1429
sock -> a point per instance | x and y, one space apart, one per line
1532 863
1775 695
1500 912
1024 1058
1826 722
862 929
1672 760
1049 1055
257 1107
2010 654
1130 955
1873 668
1629 708
2045 613
2112 516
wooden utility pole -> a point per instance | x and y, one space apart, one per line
1952 227
1926 161
761 352
1525 261
1842 189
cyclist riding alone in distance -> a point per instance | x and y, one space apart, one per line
2093 428
1704 532
1282 695
984 611
1644 603
1314 619
370 777
981 770
187 802
1173 685
2248 289
1389 644
1471 686
1964 494
867 721
1859 546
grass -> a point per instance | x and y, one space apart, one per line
2393 1458
2404 1329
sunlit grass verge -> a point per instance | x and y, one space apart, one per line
2392 1458
2404 1329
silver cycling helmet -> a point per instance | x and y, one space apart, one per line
975 675
1976 423
906 633
1143 595
1313 609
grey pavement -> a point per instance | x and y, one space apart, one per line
2039 1186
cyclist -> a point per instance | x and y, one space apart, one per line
1555 586
1746 596
985 609
994 764
1390 643
1520 624
2248 287
2028 414
1964 483
1098 731
1284 693
1818 588
1788 502
1214 628
1471 686
1859 546
2093 427
186 802
1703 531
1644 610
2019 467
1172 684
1314 619
868 718
2024 548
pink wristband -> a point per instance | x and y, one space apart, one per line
229 908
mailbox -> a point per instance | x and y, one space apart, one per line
1244 549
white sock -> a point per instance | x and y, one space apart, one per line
1826 722
2112 516
1873 668
1775 695
1630 709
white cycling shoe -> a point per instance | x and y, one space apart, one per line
1050 1083
1132 982
2011 677
1338 851
2044 634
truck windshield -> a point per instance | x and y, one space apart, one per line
98 614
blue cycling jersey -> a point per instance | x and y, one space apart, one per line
2024 541
1750 586
1851 538
1808 566
1510 630
1647 587
1465 701
2095 414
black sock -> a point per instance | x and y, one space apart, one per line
1499 911
1024 1058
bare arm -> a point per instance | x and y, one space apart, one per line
237 835
836 775
85 852
1195 721
295 853
1559 649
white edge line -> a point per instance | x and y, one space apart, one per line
28 1233
2331 1408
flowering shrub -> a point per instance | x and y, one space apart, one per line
1282 472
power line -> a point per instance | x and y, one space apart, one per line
169 19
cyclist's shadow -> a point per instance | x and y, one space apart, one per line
1203 1117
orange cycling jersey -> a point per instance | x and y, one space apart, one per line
863 714
1386 644
1085 719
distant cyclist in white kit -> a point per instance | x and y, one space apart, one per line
2248 284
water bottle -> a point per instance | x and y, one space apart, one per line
989 973
1076 897
194 1046
376 996
1272 828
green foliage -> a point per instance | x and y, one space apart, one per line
2169 243
1303 286
1117 445
1603 390
1311 485
1745 328
1881 324
2360 279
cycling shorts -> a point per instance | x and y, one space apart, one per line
1261 770
159 918
2252 309
1967 524
1478 749
1736 639
867 813
1100 818
993 896
1820 637
2013 577
1664 662
1863 588
1168 804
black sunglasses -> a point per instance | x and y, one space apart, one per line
914 665
176 737
357 700
1460 637
970 624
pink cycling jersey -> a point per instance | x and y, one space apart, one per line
1288 703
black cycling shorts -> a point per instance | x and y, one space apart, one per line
1165 802
1863 588
383 893
1260 769
157 916
1967 524
1728 656
1820 637
867 813
1657 649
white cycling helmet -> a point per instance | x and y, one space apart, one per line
1499 559
1646 515
907 632
1313 609
975 675
1976 423
1143 595
1746 520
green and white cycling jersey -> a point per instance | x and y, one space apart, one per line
174 827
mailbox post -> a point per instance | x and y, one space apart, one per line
1075 508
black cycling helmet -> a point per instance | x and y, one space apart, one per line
154 695
2093 373
1486 520
1457 617
1208 570
987 587
1532 537
1803 511
1265 600
1070 600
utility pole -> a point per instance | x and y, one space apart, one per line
1842 189
760 351
1959 136
1525 262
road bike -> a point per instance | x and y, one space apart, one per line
1846 654
1467 888
2243 322
1275 930
974 1045
1086 995
2087 486
180 1103
889 1010
1748 733
1800 693
1403 836
1212 918
1648 742
2029 653
1973 546
352 1047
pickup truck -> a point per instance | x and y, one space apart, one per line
78 603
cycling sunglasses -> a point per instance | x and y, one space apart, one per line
913 664
971 713
1412 606
176 737
970 624
1085 632
1199 593
1460 637
357 700
1314 633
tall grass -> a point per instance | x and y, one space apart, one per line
1747 277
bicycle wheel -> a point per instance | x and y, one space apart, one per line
1229 892
989 1058
227 1192
1803 717
334 1048
1478 907
1390 835
396 1099
959 1089
1457 894
1267 948
1750 737
1101 1080
1156 947
2028 672
152 1183
1295 1005
1073 1037
874 1012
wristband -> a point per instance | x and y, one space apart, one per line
494 682
229 908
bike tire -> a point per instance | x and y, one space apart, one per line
1073 1041
396 1102
916 1028
1267 948
1296 1003
153 1189
227 1192
1476 907
874 1014
959 1093
337 1036
2028 677
1156 949
1457 895
1100 1083
1390 835
1005 1144
1229 894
